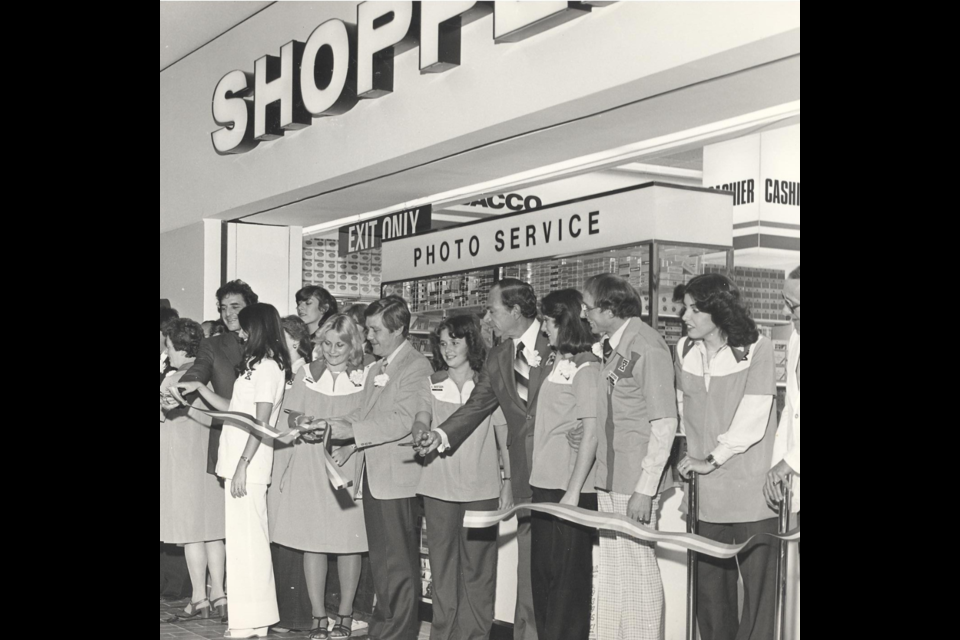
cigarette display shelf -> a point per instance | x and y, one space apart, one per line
353 278
762 290
446 296
677 265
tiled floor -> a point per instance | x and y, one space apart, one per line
195 629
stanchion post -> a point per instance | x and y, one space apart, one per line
786 506
693 526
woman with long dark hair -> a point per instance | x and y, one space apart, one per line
246 463
726 374
562 562
315 305
463 561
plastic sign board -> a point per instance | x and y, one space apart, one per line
371 234
763 173
667 213
342 63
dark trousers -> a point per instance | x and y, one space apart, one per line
296 611
395 564
718 593
464 567
562 571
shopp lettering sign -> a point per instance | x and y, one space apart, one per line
371 234
617 219
342 63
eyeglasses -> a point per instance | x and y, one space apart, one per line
793 307
588 308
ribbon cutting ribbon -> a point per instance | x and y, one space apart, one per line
248 422
621 524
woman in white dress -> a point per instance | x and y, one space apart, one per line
306 512
246 463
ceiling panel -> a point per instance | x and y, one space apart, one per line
187 26
767 86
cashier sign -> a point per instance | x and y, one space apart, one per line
618 219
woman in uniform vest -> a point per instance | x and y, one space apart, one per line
463 561
726 378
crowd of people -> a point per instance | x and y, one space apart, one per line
579 404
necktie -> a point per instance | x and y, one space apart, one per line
607 350
521 370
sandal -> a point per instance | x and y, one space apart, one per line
342 630
221 609
321 632
196 609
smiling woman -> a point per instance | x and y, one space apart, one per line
725 374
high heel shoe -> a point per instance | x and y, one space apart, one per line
221 609
196 610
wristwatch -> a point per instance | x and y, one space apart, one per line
713 461
245 459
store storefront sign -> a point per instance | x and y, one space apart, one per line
342 63
510 202
628 217
371 234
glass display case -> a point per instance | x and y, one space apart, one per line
654 269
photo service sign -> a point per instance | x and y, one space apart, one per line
640 214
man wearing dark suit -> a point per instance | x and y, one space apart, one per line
397 389
220 356
510 380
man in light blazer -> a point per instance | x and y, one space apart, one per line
786 451
511 380
396 390
638 423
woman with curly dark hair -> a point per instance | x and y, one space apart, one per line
464 561
726 377
191 500
562 563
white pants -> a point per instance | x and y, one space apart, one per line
250 584
630 598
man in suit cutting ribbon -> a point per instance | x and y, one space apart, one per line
511 380
396 390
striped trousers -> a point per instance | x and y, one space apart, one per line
630 599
